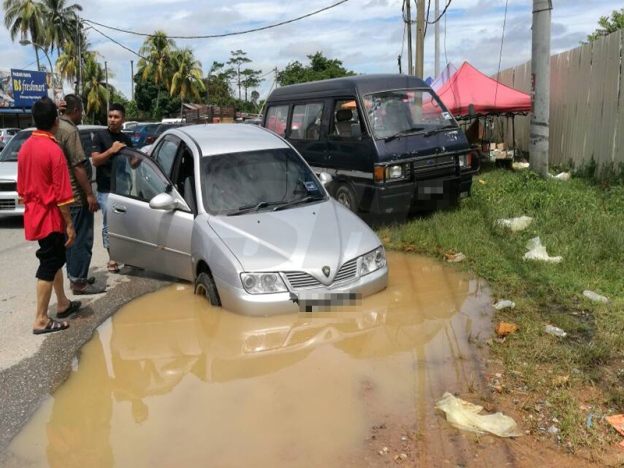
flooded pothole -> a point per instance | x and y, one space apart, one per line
171 381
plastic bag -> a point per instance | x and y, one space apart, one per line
504 304
515 224
595 297
538 252
552 330
464 416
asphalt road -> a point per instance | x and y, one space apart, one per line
32 367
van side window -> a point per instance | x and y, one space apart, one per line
306 121
345 120
276 119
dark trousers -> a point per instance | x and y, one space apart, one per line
79 255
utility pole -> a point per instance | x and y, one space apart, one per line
420 38
107 90
132 80
408 22
540 87
437 40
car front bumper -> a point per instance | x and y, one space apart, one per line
9 204
305 300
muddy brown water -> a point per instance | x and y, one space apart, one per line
171 381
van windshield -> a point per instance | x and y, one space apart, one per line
402 112
238 183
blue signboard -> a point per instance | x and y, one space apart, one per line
28 87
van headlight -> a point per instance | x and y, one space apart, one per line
394 172
263 283
372 261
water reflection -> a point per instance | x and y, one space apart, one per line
274 391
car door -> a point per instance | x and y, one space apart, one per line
152 239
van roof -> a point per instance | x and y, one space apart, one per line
365 84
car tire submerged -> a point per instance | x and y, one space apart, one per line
205 286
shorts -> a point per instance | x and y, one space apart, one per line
51 255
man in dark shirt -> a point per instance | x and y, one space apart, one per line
106 145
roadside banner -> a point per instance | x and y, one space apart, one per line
28 87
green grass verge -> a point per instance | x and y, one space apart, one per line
584 224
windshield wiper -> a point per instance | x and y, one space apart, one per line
403 133
445 128
249 208
298 201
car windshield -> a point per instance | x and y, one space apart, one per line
402 112
9 153
237 183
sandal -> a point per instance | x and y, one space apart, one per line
113 267
73 307
51 327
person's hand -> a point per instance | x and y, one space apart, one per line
62 107
93 203
71 235
117 146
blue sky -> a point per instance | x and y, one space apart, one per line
366 35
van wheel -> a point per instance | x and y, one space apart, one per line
205 286
347 196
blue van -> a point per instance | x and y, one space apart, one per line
388 141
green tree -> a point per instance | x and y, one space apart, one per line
251 79
95 92
320 68
187 76
217 83
61 24
237 59
157 65
608 25
22 17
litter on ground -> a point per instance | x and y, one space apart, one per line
595 296
515 224
504 304
538 252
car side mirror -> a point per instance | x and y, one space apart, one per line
162 201
325 178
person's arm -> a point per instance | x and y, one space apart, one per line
69 225
99 159
82 178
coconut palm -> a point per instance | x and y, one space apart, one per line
156 62
68 64
187 76
61 23
22 17
95 91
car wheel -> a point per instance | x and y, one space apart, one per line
205 286
347 196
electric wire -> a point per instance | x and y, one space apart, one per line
448 4
500 56
213 36
427 18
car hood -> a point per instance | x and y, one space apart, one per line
306 238
8 170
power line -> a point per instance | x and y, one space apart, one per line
448 4
213 36
427 18
500 57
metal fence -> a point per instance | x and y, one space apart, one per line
586 103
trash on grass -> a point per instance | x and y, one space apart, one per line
464 416
504 304
561 176
520 165
551 330
455 257
538 252
504 329
515 224
595 297
617 421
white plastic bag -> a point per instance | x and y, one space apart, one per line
515 224
538 252
595 297
464 416
504 304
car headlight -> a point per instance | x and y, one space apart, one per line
262 283
372 261
465 161
394 172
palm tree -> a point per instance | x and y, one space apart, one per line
68 64
22 17
95 91
187 76
156 62
62 23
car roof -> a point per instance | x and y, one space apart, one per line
91 127
214 139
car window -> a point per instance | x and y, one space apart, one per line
10 151
134 175
345 119
165 154
306 121
276 119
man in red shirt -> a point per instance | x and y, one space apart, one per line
45 189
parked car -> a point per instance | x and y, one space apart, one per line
147 134
9 204
235 209
5 136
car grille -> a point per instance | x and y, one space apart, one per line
7 205
303 280
8 186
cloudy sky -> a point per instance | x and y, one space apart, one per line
366 35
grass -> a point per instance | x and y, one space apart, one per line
580 220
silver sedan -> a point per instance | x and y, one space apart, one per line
236 210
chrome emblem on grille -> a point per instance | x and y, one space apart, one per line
326 271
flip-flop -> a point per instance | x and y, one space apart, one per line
51 327
113 267
73 307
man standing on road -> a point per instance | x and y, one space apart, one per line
44 187
85 204
106 145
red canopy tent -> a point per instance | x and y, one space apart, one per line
469 86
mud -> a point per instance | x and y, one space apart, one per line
171 381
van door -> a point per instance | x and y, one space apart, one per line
307 132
